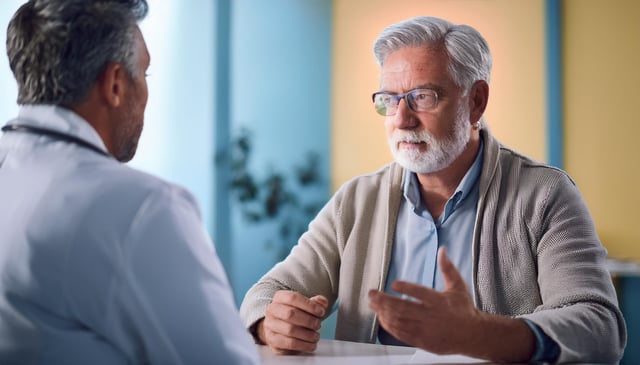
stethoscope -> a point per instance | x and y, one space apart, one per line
55 135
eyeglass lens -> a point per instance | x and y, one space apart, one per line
419 100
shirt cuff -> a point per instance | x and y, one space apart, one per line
547 350
253 330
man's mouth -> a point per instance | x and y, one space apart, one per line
410 144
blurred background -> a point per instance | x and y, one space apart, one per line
262 109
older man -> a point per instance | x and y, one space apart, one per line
461 245
99 263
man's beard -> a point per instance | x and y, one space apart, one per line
129 132
129 142
439 154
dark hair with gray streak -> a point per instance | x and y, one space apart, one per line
467 49
58 48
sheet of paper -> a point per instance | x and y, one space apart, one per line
423 357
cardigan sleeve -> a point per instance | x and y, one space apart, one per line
311 268
579 308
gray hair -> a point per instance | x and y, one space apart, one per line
467 49
58 48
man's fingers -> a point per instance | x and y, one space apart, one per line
292 320
290 330
452 278
381 302
397 316
320 299
422 293
452 281
297 300
292 315
396 327
283 344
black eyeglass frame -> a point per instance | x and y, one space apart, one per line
409 98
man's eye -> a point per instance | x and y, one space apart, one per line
387 99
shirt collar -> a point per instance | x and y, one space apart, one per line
411 186
59 119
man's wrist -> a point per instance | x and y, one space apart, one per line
547 350
499 338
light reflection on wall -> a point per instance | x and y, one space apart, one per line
177 140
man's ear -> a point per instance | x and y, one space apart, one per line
112 83
478 98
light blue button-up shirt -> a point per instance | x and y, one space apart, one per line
418 236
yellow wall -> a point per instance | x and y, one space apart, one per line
602 127
516 111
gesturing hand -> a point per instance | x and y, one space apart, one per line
292 321
435 321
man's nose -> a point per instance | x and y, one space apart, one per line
405 118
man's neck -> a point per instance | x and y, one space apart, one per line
437 187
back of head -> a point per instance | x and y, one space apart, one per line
470 58
58 48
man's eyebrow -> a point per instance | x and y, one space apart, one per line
431 86
437 88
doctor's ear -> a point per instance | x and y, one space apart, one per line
112 83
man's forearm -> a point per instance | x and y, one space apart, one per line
500 338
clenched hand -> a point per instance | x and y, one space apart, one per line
292 321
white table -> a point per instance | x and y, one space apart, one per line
623 268
334 352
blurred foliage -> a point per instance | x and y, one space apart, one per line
290 199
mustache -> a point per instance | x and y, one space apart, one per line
411 136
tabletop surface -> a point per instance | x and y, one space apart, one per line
623 267
336 352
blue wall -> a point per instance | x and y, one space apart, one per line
220 66
280 88
177 141
629 298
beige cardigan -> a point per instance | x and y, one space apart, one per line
536 255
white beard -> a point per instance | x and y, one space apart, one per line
439 154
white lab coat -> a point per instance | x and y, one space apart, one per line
104 264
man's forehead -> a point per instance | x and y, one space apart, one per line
146 56
410 68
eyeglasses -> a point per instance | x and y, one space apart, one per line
418 100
